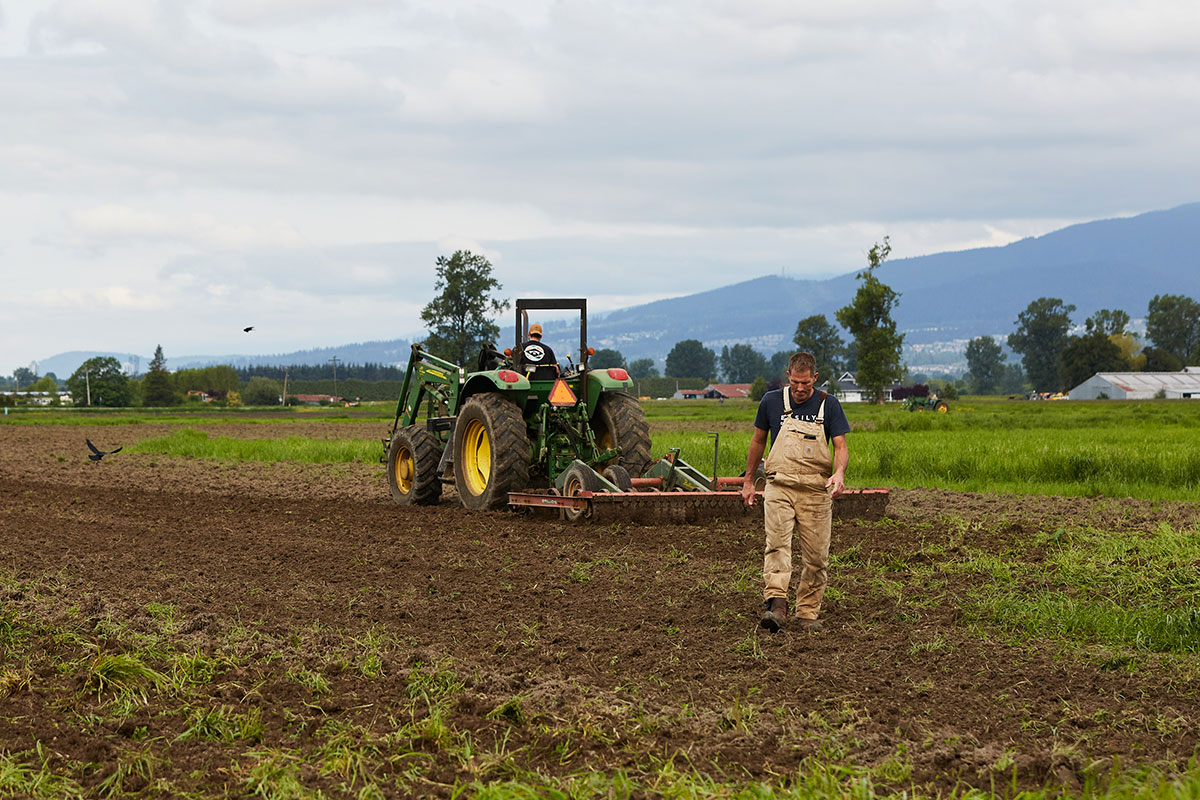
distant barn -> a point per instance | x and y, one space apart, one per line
1183 385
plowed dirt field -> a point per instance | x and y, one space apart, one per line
352 645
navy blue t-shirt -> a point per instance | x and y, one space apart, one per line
770 413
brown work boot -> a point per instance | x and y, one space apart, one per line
809 625
774 614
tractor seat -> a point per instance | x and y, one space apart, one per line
546 372
489 357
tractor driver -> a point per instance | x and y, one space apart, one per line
534 354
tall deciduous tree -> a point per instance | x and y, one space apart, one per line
158 389
262 391
1013 381
816 335
985 362
1086 355
458 317
1040 338
605 358
24 376
1173 324
779 364
108 384
869 319
642 368
691 359
742 363
216 381
1108 321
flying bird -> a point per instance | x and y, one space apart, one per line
247 330
97 453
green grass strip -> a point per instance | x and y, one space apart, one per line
191 443
1115 462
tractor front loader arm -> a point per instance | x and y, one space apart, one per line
426 376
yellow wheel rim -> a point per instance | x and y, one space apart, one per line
477 458
405 469
942 409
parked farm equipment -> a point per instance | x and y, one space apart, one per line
932 403
571 440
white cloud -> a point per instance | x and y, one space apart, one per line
121 224
116 298
223 156
269 13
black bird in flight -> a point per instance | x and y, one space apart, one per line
247 330
97 453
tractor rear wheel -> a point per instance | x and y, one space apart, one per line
618 476
491 452
578 479
620 422
941 407
412 463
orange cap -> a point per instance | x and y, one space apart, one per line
535 329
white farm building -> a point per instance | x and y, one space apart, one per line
1183 385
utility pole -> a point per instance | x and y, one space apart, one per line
87 381
285 372
334 360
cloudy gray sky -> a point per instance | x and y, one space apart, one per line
173 171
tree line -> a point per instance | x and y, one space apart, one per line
1055 360
459 325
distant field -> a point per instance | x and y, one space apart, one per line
1148 450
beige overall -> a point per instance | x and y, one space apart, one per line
796 499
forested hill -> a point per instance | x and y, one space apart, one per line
1116 263
946 298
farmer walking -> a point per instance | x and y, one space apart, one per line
803 477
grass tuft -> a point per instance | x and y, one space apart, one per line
123 675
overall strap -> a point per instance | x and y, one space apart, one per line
787 402
821 410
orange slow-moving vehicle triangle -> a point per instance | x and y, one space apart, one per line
561 394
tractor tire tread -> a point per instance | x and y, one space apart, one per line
510 451
628 421
426 452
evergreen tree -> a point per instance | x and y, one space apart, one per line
158 389
878 347
458 316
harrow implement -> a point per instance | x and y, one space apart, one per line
671 491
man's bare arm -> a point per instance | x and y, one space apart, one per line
841 459
758 445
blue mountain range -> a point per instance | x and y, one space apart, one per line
946 299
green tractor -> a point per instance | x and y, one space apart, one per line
501 427
932 403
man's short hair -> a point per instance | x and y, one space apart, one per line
802 362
